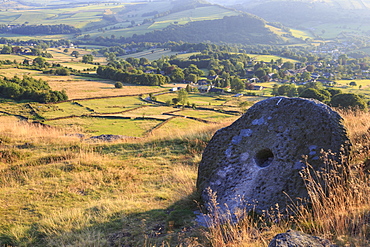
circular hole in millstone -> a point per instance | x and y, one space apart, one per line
264 157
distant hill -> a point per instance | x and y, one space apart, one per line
339 4
325 18
298 12
245 29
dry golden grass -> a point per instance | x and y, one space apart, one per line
79 87
340 204
58 191
196 129
66 192
22 132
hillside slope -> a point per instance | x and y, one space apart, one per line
326 19
299 12
245 29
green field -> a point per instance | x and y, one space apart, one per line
106 125
110 105
119 19
196 98
268 58
59 56
334 30
60 110
206 115
301 34
16 109
181 125
198 14
77 15
362 88
86 107
150 111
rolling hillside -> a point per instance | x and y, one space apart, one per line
328 19
244 29
108 19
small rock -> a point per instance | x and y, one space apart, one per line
298 239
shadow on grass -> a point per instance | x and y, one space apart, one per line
172 226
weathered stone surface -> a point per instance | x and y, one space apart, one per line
255 162
298 239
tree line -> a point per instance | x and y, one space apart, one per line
137 78
29 88
40 29
315 90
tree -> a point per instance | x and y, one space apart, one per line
239 66
6 49
39 61
292 91
353 83
334 91
192 77
260 73
310 68
118 84
177 75
62 71
111 57
275 91
193 69
306 75
237 84
26 62
133 61
348 100
312 93
288 65
87 58
342 59
75 54
182 96
144 61
211 72
289 90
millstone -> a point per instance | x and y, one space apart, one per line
255 162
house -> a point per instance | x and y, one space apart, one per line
238 95
212 77
257 87
298 65
327 75
289 72
204 88
216 90
253 80
315 76
202 82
